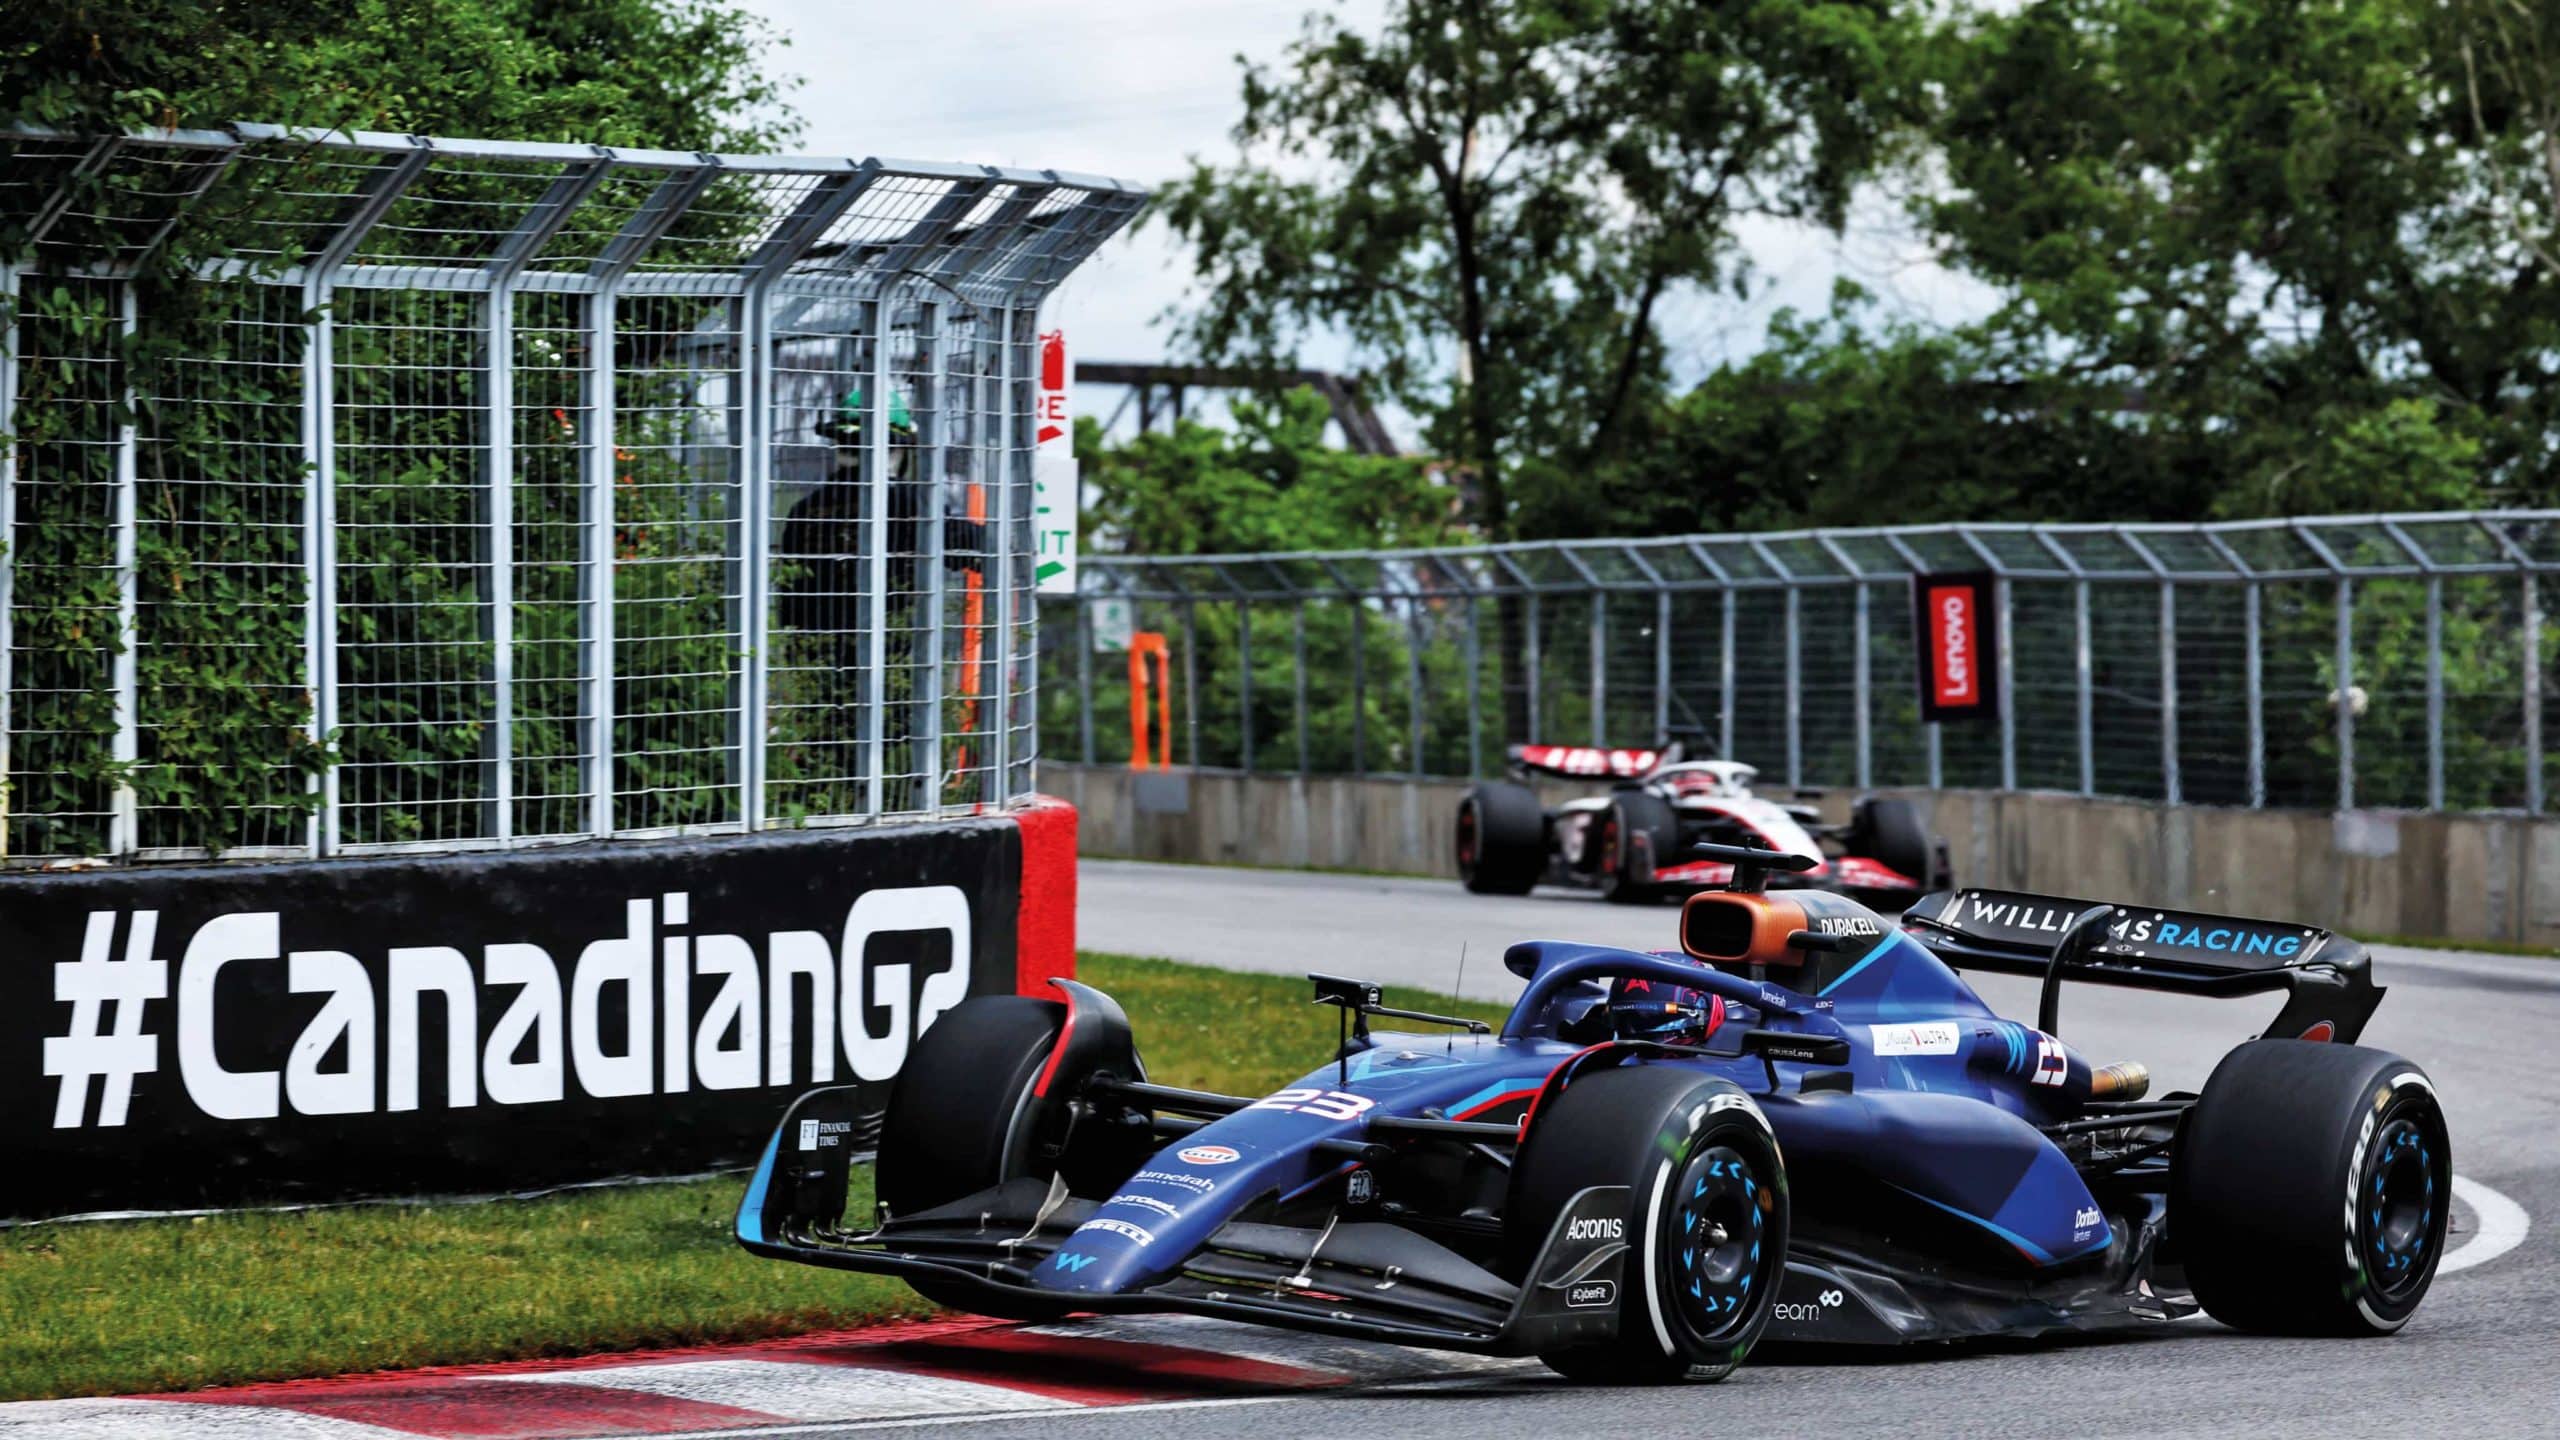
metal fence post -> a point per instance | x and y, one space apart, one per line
124 825
875 565
1795 688
1359 685
1298 679
2007 598
498 329
1862 682
936 465
1084 679
8 543
2532 695
1017 458
1661 665
2435 692
2254 681
1600 669
1533 665
2172 787
596 657
1414 763
1724 689
2344 700
1475 692
320 546
2083 687
1191 682
1244 681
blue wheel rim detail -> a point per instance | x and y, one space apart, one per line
1719 1222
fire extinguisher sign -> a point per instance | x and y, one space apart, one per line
1054 479
1956 634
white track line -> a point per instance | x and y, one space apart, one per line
2502 1226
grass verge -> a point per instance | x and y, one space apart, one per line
122 1306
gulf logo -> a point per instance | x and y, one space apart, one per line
1206 1155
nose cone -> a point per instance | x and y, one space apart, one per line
1158 1216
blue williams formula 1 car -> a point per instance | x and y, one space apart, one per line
1802 1125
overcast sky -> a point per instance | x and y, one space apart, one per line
1135 88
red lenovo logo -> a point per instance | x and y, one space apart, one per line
1955 677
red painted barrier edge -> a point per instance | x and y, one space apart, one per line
1045 927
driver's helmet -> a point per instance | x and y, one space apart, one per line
845 425
1692 782
1641 1009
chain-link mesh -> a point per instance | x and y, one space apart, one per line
2390 662
469 494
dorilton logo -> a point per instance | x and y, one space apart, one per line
618 1020
1596 1228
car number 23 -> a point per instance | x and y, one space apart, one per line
1323 1104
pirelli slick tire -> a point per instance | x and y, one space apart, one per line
1502 838
2309 1189
1639 833
1706 1222
1889 832
957 1121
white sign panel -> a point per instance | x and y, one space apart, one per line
1114 621
1054 480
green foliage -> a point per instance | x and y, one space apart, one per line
215 375
1511 192
1270 483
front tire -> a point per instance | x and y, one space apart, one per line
960 1120
1502 838
2310 1189
1707 1218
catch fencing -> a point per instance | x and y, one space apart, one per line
2372 661
468 494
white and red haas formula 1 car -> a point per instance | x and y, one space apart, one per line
1634 843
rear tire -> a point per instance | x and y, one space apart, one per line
1634 815
959 1122
1889 832
1707 1218
1502 838
2310 1189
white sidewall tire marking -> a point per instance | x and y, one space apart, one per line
1652 1291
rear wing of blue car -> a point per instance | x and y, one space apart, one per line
2328 977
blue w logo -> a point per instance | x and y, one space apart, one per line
1071 1263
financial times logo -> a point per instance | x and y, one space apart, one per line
363 1050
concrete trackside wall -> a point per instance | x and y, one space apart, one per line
210 1035
2463 877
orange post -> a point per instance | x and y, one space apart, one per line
1144 646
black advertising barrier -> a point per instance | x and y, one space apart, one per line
1956 633
227 1035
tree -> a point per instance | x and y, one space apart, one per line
681 74
1496 201
2298 233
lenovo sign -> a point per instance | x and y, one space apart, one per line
1957 636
